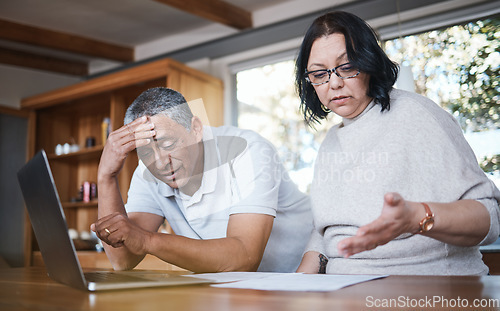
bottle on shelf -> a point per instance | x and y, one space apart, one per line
105 129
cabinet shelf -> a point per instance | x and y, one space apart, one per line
91 204
90 153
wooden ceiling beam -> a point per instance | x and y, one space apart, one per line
64 41
46 63
214 10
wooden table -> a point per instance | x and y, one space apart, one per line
32 289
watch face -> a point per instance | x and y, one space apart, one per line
427 224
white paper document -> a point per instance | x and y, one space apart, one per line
286 281
224 277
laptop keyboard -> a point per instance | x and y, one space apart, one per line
110 277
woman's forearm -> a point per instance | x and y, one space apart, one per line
462 223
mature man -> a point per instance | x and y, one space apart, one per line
223 190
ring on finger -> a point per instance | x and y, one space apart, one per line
107 231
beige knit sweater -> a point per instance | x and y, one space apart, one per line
416 149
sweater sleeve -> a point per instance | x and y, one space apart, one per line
492 207
315 243
480 187
458 168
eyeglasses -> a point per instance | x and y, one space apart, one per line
344 71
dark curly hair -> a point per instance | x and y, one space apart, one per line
363 51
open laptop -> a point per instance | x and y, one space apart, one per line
57 248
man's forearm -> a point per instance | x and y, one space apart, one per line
109 199
215 255
109 202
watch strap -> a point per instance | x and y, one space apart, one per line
428 211
429 217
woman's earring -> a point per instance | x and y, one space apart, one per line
325 109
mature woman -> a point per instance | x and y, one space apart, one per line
383 174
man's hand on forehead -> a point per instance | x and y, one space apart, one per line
121 142
143 131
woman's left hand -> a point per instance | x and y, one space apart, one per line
397 217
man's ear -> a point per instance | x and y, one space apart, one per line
197 128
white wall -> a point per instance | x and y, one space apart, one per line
17 83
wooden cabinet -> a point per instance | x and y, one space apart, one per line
75 113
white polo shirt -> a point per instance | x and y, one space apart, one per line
243 174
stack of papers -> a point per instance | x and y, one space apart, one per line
285 281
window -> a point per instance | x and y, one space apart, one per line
459 68
269 105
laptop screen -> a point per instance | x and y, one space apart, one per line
48 221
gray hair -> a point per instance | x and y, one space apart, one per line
160 100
